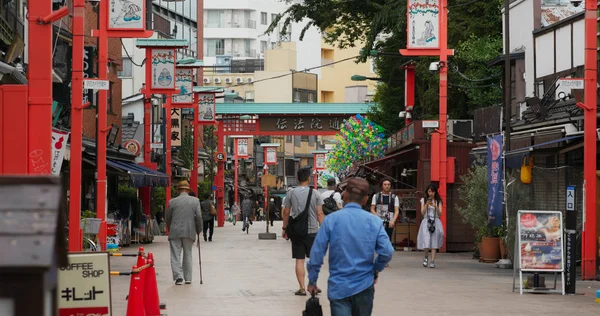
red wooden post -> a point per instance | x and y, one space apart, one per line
409 91
168 149
220 181
236 168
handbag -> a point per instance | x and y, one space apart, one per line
298 227
313 307
213 211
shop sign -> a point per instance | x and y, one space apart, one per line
59 146
423 24
184 83
126 15
319 161
540 235
163 69
242 147
175 127
133 146
206 107
308 123
271 155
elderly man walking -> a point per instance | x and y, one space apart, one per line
184 220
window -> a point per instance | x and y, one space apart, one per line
215 47
263 18
127 71
304 138
214 18
288 139
273 17
249 96
263 46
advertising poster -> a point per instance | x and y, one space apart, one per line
423 24
206 107
271 155
84 285
540 240
126 15
319 161
59 146
242 147
494 165
163 69
184 83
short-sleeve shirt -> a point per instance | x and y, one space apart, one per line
295 200
382 202
337 197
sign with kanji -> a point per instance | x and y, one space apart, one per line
84 285
220 156
126 15
59 145
175 127
206 107
540 240
320 161
423 26
308 123
184 83
271 155
242 147
163 69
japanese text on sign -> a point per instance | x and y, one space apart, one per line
176 127
301 123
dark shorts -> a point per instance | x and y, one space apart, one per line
301 247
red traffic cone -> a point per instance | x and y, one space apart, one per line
135 302
151 300
140 258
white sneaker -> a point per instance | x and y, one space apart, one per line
425 262
432 265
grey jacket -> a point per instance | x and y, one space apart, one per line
184 217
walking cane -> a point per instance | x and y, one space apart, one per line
199 258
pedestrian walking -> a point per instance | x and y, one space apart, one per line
386 206
247 211
302 211
160 219
273 209
208 217
431 231
353 237
332 200
184 221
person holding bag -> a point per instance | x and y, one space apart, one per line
431 231
302 215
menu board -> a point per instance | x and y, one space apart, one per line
540 241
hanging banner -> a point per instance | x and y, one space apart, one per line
206 107
126 15
84 285
242 147
163 69
184 83
175 127
271 156
320 161
540 240
423 25
59 146
494 164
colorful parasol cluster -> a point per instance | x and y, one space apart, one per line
359 140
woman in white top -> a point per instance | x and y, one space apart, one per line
431 231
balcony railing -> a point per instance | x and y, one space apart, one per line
248 24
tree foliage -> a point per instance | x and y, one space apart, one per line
186 153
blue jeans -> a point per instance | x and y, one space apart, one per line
360 304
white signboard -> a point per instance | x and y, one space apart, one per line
126 15
319 161
175 127
95 84
184 83
570 198
163 69
242 147
564 87
59 146
84 285
423 24
271 155
431 124
206 107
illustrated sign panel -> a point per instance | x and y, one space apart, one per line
540 241
59 145
423 24
301 123
184 83
175 127
163 69
206 107
126 15
319 161
271 155
242 147
84 285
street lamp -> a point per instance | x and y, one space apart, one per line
363 78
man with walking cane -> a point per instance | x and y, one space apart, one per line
199 257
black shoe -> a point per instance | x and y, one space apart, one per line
179 282
250 222
244 229
210 239
204 237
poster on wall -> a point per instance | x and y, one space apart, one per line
126 15
242 147
319 161
59 146
271 155
175 127
163 69
540 243
423 24
184 83
206 107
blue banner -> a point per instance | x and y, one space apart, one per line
494 164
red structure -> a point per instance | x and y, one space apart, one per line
409 91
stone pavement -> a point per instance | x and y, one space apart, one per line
247 276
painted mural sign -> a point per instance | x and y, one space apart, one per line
242 147
183 82
126 15
320 161
271 156
206 107
423 24
163 69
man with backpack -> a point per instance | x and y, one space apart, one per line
386 206
302 214
332 201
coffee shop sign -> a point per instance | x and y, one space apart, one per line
307 124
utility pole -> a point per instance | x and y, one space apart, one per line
507 76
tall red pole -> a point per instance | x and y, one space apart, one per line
443 111
589 243
197 126
316 180
75 242
220 181
167 150
235 173
409 91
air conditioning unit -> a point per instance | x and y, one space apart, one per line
261 56
228 80
206 80
238 80
249 80
217 80
460 130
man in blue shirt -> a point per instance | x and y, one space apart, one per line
353 237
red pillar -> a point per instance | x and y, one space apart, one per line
167 150
220 181
75 242
146 198
266 196
195 165
589 243
443 112
409 91
236 168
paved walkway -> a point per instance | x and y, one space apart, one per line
247 276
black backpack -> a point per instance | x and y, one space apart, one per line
329 204
313 307
298 227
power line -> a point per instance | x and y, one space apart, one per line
130 58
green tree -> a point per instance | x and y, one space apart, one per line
186 153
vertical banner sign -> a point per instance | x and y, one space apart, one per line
89 60
163 69
242 147
126 15
423 27
59 145
494 164
175 127
206 107
84 285
271 156
319 161
540 241
570 240
183 82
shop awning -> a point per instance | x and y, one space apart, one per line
140 176
530 148
384 158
